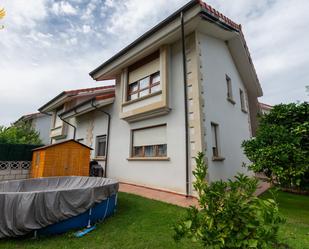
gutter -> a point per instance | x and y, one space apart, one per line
146 35
108 132
74 127
184 64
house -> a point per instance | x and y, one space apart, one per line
187 85
41 123
265 108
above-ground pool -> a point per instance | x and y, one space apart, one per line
54 205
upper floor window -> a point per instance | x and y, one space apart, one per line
144 77
57 121
229 89
215 143
149 142
242 101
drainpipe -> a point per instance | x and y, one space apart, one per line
108 132
74 127
184 64
48 114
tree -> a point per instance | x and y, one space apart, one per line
280 149
19 133
230 215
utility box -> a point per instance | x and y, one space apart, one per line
67 158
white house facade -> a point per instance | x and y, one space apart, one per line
41 123
187 85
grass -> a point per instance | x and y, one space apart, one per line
295 209
138 223
142 223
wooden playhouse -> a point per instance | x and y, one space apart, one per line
68 158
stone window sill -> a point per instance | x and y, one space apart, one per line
231 101
148 159
218 158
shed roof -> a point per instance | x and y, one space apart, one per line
63 142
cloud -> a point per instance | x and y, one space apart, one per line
63 8
49 46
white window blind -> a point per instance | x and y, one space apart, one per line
144 71
150 136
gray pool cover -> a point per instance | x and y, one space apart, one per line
27 205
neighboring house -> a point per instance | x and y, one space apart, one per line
41 123
264 108
90 127
168 105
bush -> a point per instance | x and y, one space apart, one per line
280 149
230 215
19 133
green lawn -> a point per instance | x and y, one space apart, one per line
295 208
143 223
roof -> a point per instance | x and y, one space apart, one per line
63 142
212 14
30 116
98 98
265 106
75 92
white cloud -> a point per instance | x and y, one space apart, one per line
42 56
63 8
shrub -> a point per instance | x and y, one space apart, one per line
19 133
280 149
230 215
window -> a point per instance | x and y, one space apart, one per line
144 77
100 146
57 121
242 101
215 142
229 89
149 142
145 86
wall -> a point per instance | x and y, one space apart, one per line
169 175
42 124
14 170
234 126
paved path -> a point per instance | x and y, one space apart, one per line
176 199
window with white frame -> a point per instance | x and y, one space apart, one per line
149 142
229 89
100 149
144 77
215 141
242 100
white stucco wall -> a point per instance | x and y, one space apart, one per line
216 62
169 175
42 124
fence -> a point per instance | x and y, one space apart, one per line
15 161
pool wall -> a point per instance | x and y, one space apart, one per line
98 213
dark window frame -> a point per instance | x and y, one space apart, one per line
229 88
150 86
97 145
242 100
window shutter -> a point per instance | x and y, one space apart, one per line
144 71
150 136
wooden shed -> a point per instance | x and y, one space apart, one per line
68 158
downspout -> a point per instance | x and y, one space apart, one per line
184 64
74 127
48 114
108 131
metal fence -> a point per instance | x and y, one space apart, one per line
16 152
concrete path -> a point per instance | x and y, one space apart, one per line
169 197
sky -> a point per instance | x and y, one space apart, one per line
48 46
